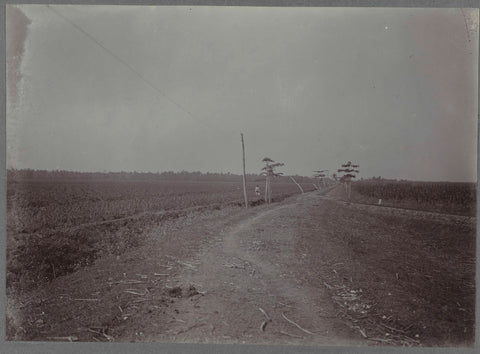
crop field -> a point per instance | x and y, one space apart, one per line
36 206
55 227
415 271
454 198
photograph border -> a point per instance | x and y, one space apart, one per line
85 347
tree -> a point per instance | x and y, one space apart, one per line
270 173
349 171
321 176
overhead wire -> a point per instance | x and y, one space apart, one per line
129 66
119 59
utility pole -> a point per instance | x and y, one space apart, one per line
244 175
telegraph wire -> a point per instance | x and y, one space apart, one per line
126 64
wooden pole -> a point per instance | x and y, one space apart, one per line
244 175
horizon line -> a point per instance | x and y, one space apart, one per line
226 173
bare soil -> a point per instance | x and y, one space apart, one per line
310 270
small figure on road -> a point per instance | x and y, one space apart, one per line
257 190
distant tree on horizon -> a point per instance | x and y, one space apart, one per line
181 176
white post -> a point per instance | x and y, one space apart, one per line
299 186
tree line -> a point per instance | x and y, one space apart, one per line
195 176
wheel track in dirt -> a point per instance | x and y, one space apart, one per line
253 269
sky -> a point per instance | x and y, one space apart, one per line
139 88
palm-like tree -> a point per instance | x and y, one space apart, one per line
270 173
321 176
349 171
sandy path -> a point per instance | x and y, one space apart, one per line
251 267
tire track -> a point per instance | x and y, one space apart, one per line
250 295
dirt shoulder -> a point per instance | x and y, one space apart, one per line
305 271
400 277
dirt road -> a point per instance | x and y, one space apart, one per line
305 271
252 291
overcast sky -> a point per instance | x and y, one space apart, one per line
94 88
